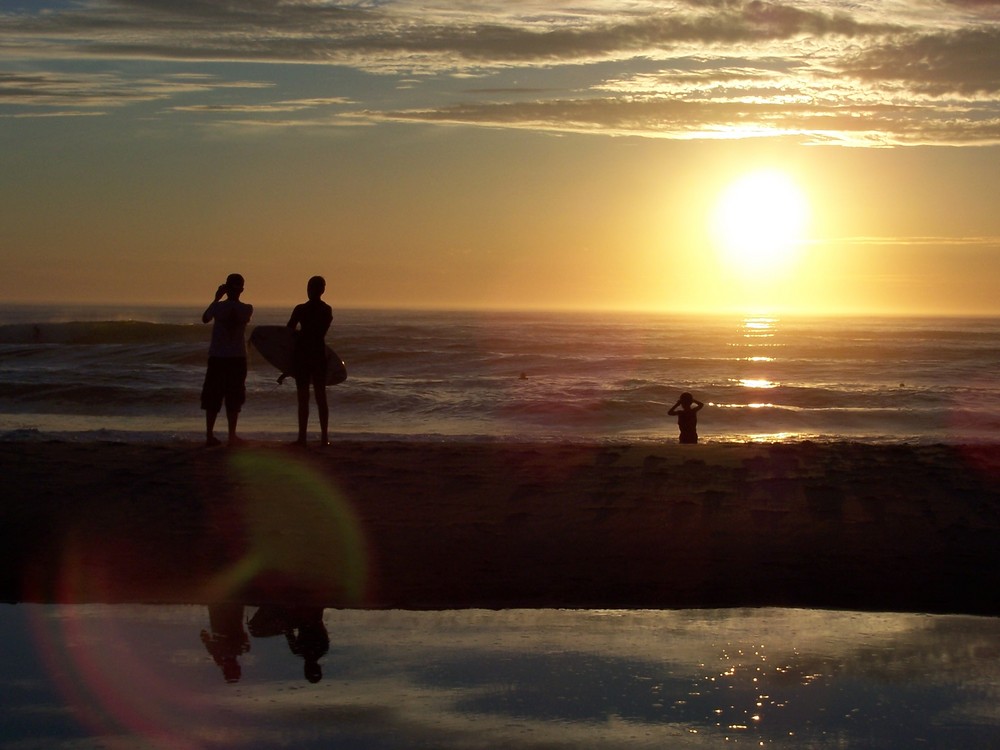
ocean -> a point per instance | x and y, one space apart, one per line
135 374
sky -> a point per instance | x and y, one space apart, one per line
527 154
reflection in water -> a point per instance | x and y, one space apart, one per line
757 383
757 333
226 640
303 630
759 326
757 344
518 678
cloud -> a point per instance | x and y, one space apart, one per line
394 36
667 118
978 242
856 73
963 63
86 90
721 101
989 8
296 105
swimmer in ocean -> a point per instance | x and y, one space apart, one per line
686 410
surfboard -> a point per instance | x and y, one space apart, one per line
276 344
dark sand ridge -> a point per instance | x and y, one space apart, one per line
447 524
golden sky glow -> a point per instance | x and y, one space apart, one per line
528 155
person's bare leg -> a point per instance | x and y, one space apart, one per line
303 395
232 417
210 438
324 413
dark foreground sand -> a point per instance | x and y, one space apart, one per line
454 525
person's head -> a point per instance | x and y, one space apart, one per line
316 287
231 670
234 285
686 399
313 671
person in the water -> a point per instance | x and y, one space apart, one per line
686 410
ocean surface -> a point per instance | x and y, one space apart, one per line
136 374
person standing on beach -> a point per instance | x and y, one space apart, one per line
226 376
686 410
312 319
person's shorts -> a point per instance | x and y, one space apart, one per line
225 382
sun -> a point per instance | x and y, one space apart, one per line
759 222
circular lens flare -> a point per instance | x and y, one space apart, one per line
300 535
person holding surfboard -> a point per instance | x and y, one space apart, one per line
226 376
686 410
312 320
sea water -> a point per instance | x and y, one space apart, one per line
136 374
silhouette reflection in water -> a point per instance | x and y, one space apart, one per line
303 629
226 640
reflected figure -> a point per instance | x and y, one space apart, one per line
686 410
304 632
226 640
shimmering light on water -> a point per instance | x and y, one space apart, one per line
517 678
516 376
759 326
757 383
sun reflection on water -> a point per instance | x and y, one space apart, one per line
757 334
757 383
759 326
741 682
516 678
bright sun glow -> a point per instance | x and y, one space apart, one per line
759 222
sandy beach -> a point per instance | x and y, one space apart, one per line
444 524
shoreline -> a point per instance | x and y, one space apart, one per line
277 436
442 524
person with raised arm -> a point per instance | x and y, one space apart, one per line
686 410
226 376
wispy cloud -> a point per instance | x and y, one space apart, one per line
282 106
983 242
858 73
87 90
395 36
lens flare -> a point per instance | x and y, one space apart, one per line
299 533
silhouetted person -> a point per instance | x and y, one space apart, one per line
226 376
226 640
686 410
312 319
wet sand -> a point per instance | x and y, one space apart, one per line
445 524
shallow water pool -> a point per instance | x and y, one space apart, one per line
248 677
